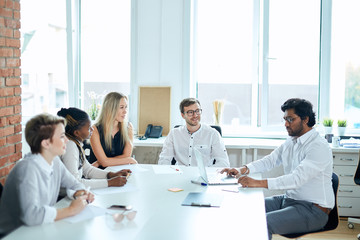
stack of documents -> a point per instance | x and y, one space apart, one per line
350 143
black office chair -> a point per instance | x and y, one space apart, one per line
333 221
1 189
218 128
351 221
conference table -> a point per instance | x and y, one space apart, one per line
160 214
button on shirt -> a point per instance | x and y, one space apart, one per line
307 164
179 144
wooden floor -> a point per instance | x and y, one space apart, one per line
341 233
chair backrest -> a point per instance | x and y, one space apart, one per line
333 221
357 173
218 128
1 189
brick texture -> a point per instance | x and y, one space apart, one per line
10 89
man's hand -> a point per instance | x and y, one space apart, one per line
230 172
246 181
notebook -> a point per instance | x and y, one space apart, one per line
199 199
212 179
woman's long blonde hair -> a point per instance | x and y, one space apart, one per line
107 117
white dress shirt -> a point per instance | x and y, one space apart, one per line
308 166
89 175
179 144
31 191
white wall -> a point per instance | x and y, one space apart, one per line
160 51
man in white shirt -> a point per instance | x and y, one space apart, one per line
180 142
307 162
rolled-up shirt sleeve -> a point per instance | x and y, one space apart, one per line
33 211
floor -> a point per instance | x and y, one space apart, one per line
341 233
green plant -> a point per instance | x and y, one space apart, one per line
328 122
342 123
94 108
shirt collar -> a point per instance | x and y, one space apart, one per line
195 131
81 143
44 165
303 138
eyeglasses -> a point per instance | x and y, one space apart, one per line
289 119
191 112
118 217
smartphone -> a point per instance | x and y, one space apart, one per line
125 207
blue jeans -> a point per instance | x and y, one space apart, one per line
285 215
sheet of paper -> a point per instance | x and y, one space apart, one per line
135 168
166 169
110 190
89 212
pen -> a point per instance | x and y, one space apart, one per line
87 192
128 175
199 183
176 169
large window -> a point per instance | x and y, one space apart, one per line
73 52
225 58
43 57
105 49
255 54
345 62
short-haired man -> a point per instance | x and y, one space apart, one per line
33 185
181 141
307 162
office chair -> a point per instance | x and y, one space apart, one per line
351 221
333 221
1 189
218 128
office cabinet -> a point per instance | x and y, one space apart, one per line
345 164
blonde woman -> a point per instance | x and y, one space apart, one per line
112 138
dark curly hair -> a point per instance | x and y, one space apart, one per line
76 119
303 108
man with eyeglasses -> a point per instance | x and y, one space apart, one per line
179 144
306 159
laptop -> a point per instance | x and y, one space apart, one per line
212 179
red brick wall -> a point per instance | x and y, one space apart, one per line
10 91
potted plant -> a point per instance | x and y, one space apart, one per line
328 122
341 126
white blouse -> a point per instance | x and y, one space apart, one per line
89 175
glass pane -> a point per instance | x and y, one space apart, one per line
345 62
43 57
294 37
223 53
105 49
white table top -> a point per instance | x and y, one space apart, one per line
160 214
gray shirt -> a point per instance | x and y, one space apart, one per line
31 190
